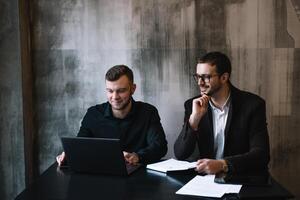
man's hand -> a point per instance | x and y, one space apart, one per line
60 158
131 158
200 106
210 166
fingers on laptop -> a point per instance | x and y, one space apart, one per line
60 158
131 158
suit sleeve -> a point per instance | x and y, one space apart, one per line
258 156
185 143
156 141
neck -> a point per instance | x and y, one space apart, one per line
220 98
122 113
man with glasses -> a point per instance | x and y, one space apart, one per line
136 124
225 127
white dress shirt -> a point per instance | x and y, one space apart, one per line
219 123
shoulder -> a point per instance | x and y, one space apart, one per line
143 106
97 109
246 97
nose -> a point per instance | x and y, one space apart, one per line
201 81
115 95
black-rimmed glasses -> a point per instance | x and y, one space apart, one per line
204 77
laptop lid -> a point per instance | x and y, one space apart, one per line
95 155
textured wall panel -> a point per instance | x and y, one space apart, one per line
75 42
266 62
12 178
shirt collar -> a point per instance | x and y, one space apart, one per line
225 106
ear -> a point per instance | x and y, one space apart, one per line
225 77
132 88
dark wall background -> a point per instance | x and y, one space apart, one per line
74 42
12 180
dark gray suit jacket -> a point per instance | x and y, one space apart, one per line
246 135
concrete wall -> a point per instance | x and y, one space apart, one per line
87 38
12 178
76 41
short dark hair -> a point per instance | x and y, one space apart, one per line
220 60
117 71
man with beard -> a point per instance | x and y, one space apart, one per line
136 124
224 127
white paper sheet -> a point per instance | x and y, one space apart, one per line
171 165
206 187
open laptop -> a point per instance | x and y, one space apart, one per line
96 155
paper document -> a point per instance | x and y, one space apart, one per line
171 165
206 187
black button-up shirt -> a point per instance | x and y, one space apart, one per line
140 131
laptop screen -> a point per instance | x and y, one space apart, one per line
94 155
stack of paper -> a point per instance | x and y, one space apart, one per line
171 165
206 187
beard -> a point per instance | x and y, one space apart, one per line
121 106
210 91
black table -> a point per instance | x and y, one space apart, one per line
59 184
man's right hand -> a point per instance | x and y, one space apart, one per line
200 106
210 166
60 158
131 158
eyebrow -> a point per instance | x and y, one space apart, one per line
203 74
125 88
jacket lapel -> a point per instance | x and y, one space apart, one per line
229 118
233 110
211 132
